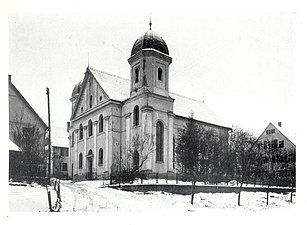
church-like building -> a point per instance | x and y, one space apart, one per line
108 112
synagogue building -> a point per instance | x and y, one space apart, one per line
109 112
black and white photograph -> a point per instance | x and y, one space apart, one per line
172 108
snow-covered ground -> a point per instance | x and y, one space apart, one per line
93 196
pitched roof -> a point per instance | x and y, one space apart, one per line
13 146
27 103
183 106
290 135
117 88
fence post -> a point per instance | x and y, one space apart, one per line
176 178
49 201
157 176
166 177
59 191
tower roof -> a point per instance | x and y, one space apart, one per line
150 40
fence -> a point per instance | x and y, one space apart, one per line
56 193
176 178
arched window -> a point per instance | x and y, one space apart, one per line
80 161
160 71
159 142
100 156
100 123
136 115
90 128
174 151
136 74
90 152
91 101
136 160
80 132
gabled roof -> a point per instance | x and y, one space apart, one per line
286 133
13 146
117 88
183 106
26 102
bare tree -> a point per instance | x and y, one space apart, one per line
127 164
29 137
241 144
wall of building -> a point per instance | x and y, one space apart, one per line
21 113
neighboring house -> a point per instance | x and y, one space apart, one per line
278 150
26 130
108 111
60 156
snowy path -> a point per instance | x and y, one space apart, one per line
91 196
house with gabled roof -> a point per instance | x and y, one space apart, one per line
24 123
108 111
278 150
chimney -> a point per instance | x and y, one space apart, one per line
10 78
68 125
279 124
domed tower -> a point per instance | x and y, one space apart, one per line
149 65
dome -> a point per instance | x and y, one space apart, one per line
150 40
76 89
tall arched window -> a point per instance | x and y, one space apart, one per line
136 160
80 132
100 123
174 151
90 128
159 142
80 161
100 156
136 74
91 101
160 71
136 115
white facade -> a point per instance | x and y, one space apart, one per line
109 111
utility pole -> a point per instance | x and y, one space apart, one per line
49 140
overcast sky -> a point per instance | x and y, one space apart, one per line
240 64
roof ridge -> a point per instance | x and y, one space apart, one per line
120 77
193 99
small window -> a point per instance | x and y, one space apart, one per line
91 101
100 123
90 128
81 109
80 161
100 98
281 144
72 139
265 144
136 74
136 116
274 144
160 71
64 152
159 141
80 132
64 166
100 156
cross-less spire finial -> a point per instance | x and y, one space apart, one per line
150 23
